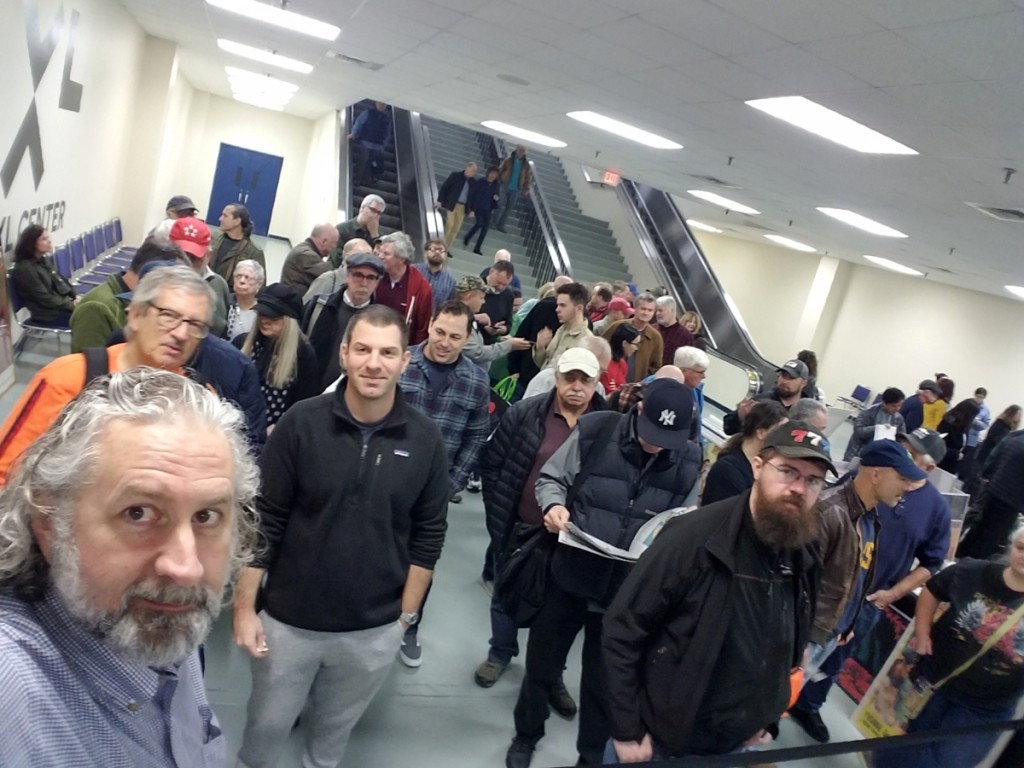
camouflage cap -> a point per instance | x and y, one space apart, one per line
471 283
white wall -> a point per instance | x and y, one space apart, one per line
83 152
870 326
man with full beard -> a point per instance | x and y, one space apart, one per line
700 639
120 529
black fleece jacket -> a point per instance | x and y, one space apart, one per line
343 521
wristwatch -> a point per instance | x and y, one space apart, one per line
409 617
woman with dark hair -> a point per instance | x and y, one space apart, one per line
1005 423
971 655
48 296
233 243
283 358
953 428
624 344
811 388
935 412
731 474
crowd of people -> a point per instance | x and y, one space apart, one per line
205 409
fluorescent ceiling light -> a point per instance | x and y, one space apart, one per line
894 266
245 78
796 245
257 101
625 130
1016 290
701 225
522 133
861 222
725 202
272 14
813 117
266 57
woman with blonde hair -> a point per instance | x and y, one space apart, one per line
283 357
691 321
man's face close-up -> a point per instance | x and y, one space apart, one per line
160 330
146 558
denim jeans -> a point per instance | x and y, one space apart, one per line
508 206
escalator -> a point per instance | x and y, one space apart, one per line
680 265
386 177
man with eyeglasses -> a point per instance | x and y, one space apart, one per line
849 534
442 284
326 319
366 225
700 640
694 362
168 316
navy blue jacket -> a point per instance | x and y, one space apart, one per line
483 196
235 378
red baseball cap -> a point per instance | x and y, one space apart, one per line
191 235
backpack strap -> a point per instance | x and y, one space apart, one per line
96 363
314 315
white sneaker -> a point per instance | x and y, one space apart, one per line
410 653
473 485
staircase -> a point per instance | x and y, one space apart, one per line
593 253
387 181
451 147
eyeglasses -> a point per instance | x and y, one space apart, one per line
702 374
376 211
365 278
168 320
790 475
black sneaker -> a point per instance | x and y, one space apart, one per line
811 722
561 701
519 754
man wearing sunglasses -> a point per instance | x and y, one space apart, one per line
168 317
700 639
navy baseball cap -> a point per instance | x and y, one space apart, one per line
667 413
889 453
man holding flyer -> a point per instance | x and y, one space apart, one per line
648 465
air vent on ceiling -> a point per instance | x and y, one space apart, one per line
370 65
715 180
996 212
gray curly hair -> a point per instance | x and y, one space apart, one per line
48 477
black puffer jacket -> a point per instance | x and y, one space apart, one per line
625 488
508 458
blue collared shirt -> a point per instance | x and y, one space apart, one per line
442 283
69 701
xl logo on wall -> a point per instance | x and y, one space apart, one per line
41 48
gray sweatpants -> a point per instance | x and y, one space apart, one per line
337 673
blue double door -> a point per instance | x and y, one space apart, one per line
247 177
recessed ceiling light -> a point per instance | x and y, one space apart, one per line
272 14
894 266
1016 290
701 225
258 101
725 202
824 122
264 56
796 245
861 222
625 130
523 133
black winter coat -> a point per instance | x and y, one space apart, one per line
508 458
665 629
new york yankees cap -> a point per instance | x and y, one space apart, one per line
799 440
666 415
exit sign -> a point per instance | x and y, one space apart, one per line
611 178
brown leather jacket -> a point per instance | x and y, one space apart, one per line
525 173
839 512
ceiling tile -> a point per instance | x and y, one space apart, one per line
795 71
800 21
983 48
712 28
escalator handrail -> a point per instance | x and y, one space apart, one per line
433 225
746 355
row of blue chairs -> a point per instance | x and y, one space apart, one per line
87 261
96 254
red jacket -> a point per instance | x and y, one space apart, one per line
417 307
